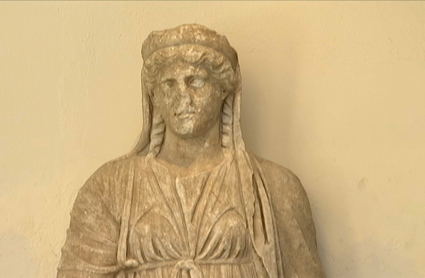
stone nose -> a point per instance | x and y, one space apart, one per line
184 92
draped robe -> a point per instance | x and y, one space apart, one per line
211 224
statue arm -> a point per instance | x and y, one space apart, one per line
296 230
90 249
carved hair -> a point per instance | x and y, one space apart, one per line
226 123
157 134
220 70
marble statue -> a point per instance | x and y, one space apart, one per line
190 201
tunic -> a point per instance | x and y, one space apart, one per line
188 227
219 223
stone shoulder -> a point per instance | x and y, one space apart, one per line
282 183
105 177
105 189
119 164
276 172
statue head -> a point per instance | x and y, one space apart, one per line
190 77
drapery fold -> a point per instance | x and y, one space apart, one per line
98 243
94 236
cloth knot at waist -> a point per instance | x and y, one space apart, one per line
187 267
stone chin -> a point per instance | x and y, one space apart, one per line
183 127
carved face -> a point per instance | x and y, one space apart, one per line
188 99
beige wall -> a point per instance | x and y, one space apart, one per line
334 91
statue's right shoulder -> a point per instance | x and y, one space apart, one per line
106 187
114 174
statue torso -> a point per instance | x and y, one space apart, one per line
189 225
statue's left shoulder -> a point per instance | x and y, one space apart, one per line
294 220
282 182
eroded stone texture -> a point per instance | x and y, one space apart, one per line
189 201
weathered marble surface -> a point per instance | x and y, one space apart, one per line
190 200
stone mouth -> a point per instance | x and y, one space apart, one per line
185 113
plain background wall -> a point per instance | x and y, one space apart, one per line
335 91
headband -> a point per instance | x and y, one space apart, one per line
189 34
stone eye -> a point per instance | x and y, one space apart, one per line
196 82
169 83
